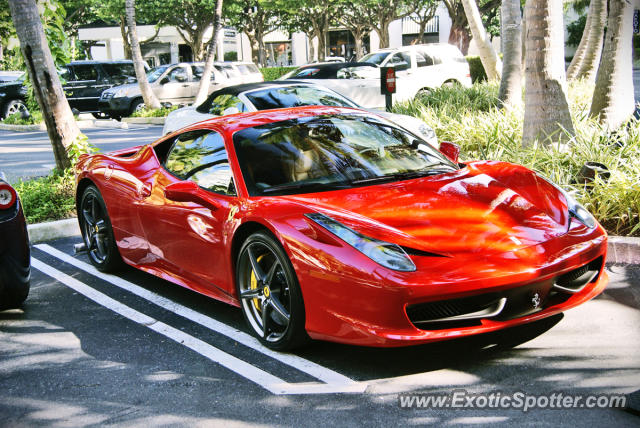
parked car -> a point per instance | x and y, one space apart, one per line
279 94
174 84
10 76
83 83
418 68
15 256
332 223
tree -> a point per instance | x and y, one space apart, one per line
256 19
355 19
459 34
546 110
510 93
150 99
585 62
423 12
488 56
384 12
613 98
205 79
61 126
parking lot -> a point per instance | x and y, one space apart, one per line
96 349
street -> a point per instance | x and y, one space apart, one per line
134 350
28 154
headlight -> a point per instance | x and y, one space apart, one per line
389 255
576 210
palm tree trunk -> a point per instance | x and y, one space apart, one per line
205 80
613 99
546 110
61 126
593 52
490 61
510 93
150 99
578 57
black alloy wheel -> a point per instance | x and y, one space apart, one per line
97 232
269 293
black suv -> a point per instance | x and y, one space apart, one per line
83 83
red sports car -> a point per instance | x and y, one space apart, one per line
335 224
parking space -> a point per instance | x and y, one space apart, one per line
132 349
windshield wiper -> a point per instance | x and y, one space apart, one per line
306 186
405 175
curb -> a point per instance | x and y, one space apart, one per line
144 120
82 124
621 249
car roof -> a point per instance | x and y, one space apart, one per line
90 61
244 87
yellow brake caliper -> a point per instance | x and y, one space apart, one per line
253 283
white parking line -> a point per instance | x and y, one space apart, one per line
335 382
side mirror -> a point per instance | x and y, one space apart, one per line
188 191
450 150
164 80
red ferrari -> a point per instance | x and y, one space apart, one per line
335 224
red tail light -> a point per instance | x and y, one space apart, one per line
7 196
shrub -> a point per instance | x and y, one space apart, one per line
48 198
470 118
16 119
272 73
157 112
231 56
476 69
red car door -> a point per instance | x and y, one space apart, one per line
187 234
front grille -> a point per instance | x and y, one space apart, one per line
520 301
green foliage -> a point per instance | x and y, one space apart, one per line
231 56
79 147
272 73
477 69
575 30
470 118
158 112
48 198
16 118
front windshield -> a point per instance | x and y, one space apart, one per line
295 96
331 152
375 57
155 73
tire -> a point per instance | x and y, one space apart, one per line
13 106
14 283
136 105
97 231
100 115
275 288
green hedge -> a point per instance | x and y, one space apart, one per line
477 69
272 73
48 198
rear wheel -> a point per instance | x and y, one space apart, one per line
269 293
97 232
12 107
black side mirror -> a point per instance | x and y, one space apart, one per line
164 80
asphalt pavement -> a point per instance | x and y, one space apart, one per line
134 350
25 155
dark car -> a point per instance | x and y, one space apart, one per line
15 256
321 70
82 81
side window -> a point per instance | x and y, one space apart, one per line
196 72
85 72
401 61
423 60
201 158
178 74
65 74
226 104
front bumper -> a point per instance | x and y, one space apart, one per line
367 305
115 106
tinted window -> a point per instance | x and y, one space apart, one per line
119 70
202 158
375 58
218 104
253 68
196 72
423 60
85 72
295 97
401 61
329 152
306 72
155 73
243 69
178 74
65 74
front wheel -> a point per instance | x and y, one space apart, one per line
136 106
97 232
269 293
12 107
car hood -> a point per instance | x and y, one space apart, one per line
486 207
131 87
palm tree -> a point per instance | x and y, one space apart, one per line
490 61
510 93
546 110
61 126
205 79
613 99
150 99
585 62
